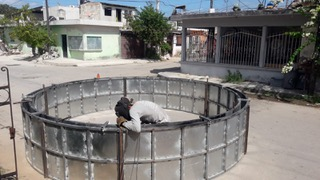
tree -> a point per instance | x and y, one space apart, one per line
7 10
311 33
28 29
150 26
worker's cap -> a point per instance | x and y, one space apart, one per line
122 108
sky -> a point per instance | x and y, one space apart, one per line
166 6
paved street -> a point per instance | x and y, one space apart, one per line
283 138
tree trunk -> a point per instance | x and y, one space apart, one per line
314 73
33 49
41 51
312 80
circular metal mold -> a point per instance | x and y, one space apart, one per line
200 148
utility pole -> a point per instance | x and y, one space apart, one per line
211 38
48 27
158 5
211 4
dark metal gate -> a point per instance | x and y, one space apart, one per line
131 47
12 131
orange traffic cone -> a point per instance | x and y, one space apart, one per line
98 76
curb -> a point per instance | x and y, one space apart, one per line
253 88
92 63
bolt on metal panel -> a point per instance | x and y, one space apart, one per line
167 144
194 167
36 158
35 131
53 135
194 140
75 145
104 146
103 87
55 166
88 89
133 86
138 147
216 135
26 125
169 170
173 102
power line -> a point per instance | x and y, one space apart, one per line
243 4
14 2
130 1
167 4
200 5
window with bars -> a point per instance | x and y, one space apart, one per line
75 42
94 42
108 11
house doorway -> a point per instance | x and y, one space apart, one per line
64 45
118 15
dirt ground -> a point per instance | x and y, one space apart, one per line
287 100
283 144
283 137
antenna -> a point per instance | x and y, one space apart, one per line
158 5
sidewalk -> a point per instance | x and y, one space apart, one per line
248 87
92 63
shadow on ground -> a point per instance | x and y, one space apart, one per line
174 69
26 58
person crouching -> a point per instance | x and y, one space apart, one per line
131 115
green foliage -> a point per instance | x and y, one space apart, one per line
314 99
27 29
150 26
34 35
165 48
8 11
4 21
151 53
311 9
235 77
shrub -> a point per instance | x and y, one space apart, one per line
151 53
165 48
234 77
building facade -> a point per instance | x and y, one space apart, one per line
90 31
255 43
92 34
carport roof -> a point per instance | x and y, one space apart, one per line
262 13
284 17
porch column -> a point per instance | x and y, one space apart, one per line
184 43
263 47
218 45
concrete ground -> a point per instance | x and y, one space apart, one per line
283 138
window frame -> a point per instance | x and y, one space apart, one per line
108 11
71 45
99 45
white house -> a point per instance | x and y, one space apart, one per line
90 31
255 43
